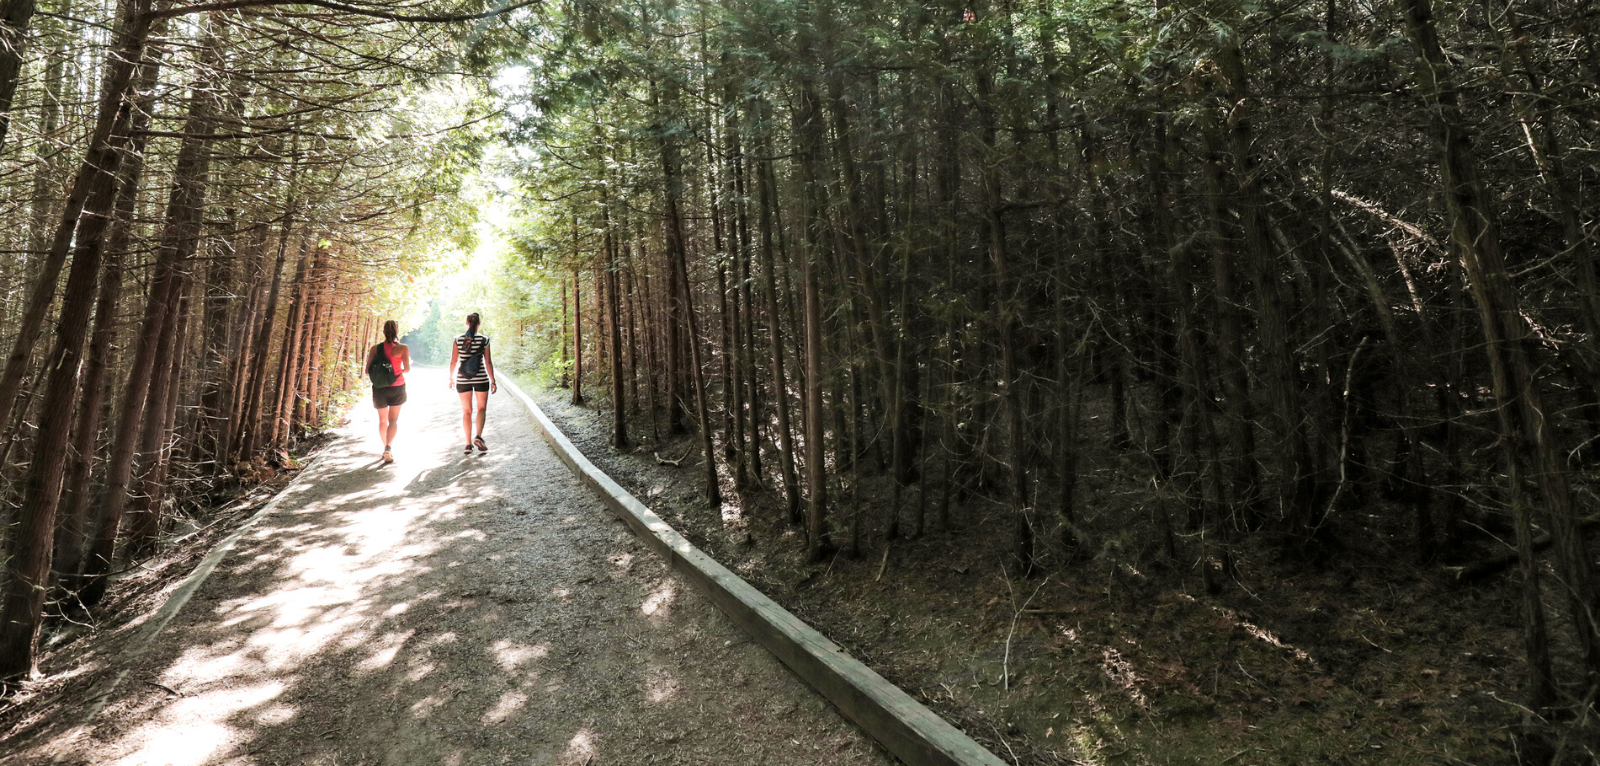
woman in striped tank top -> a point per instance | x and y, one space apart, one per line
472 375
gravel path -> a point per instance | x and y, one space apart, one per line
453 609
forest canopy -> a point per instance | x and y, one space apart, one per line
1318 277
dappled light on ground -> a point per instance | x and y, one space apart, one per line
659 604
449 608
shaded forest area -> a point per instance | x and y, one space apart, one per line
1320 276
1326 271
205 209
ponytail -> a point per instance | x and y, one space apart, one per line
391 332
472 324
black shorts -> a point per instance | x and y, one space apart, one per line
389 396
462 388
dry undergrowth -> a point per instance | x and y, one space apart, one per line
1118 656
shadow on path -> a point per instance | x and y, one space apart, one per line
451 609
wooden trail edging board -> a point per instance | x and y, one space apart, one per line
907 728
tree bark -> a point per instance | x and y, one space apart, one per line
93 196
566 378
697 367
144 519
32 543
746 344
255 379
1519 398
619 399
808 135
289 355
191 167
1007 311
780 383
577 326
97 170
1296 474
1240 468
15 16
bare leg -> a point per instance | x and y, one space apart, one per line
483 409
394 425
383 425
466 415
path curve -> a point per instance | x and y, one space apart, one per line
453 609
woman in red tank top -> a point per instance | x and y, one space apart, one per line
387 399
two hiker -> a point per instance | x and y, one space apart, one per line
472 376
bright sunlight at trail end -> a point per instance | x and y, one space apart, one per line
779 382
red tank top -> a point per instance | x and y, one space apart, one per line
399 377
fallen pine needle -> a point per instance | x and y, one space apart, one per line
165 688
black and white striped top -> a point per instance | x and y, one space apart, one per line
466 347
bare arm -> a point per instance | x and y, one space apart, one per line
450 373
488 364
405 357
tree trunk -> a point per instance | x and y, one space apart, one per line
1240 469
71 534
289 356
215 351
242 342
77 491
48 175
144 520
733 393
619 400
14 18
255 379
190 170
32 542
745 345
808 135
780 383
947 184
577 327
97 170
305 412
674 319
1548 156
1296 474
1518 395
629 277
697 367
1007 310
566 379
854 233
93 195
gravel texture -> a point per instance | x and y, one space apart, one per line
450 609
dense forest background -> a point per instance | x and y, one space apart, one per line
1327 268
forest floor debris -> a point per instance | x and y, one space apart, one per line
1120 656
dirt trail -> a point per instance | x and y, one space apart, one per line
452 609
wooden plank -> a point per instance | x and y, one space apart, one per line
905 727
